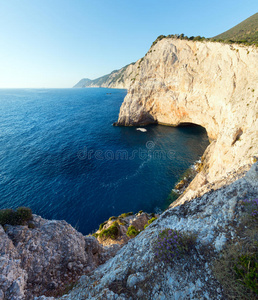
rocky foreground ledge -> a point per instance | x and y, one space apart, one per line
35 261
47 257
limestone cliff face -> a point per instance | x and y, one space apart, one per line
210 84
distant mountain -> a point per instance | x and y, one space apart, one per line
82 83
120 79
246 31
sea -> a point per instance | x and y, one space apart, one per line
61 156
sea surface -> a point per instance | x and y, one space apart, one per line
61 156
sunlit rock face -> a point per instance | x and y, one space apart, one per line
210 84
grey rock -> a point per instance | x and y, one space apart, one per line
133 279
45 258
1 295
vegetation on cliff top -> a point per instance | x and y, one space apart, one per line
246 31
132 231
199 38
20 216
121 228
111 232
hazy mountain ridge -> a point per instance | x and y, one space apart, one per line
121 78
82 83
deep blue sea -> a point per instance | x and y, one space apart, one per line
61 156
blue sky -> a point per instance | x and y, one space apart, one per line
54 43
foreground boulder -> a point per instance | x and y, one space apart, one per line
46 259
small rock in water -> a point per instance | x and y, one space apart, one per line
141 129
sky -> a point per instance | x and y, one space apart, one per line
54 43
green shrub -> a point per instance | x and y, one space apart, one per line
24 213
132 231
102 225
126 215
112 218
198 38
149 222
159 38
232 271
15 217
246 268
8 216
111 232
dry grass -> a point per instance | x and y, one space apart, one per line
246 244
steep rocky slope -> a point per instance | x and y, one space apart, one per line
134 273
210 84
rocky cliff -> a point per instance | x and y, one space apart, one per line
178 81
210 84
